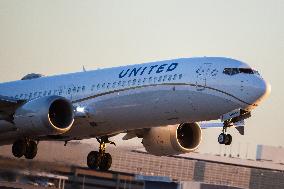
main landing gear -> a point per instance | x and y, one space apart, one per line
100 160
25 147
225 138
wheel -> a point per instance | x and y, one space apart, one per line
31 150
19 148
106 162
228 139
221 138
93 160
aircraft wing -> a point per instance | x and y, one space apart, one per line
8 106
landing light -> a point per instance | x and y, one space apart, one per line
80 109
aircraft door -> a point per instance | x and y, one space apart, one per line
201 76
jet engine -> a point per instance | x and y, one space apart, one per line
173 139
51 115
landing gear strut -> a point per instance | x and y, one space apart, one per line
100 159
25 147
230 119
225 138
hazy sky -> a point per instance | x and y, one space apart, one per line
53 37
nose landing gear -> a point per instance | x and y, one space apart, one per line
225 138
230 119
100 159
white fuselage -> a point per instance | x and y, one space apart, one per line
109 101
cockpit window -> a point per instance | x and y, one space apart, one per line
234 71
246 71
231 71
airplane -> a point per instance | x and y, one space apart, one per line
166 103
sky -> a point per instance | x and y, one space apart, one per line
55 37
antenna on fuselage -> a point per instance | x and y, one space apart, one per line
84 69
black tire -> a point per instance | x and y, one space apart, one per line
31 150
106 162
222 138
93 160
229 139
19 148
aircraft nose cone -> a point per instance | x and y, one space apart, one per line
264 90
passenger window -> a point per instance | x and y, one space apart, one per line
98 87
78 89
103 86
160 78
35 94
155 79
150 80
69 91
144 80
119 84
170 77
180 76
175 77
114 85
123 83
165 78
17 96
134 82
139 82
108 85
49 92
83 88
44 93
